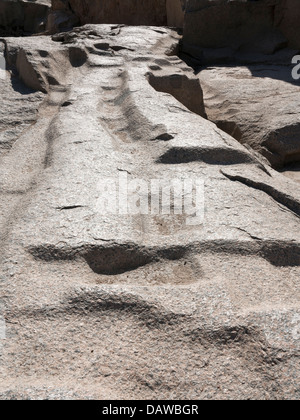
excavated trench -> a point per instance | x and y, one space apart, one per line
21 18
271 128
280 146
87 294
241 52
184 88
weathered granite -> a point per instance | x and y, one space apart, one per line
19 17
219 31
113 306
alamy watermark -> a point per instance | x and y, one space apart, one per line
154 197
296 69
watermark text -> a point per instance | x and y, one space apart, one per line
132 196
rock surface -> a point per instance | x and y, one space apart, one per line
258 105
130 12
19 109
232 31
116 306
19 17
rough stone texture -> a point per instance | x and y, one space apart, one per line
175 12
227 31
130 12
288 17
19 109
18 17
258 105
137 306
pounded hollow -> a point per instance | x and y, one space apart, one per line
114 260
211 156
77 56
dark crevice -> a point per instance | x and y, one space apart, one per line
112 258
67 103
109 259
285 200
285 255
231 128
164 137
120 48
70 207
211 156
50 135
78 57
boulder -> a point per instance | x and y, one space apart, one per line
175 13
23 16
66 13
288 20
130 12
222 31
258 105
